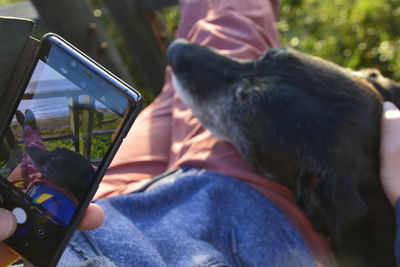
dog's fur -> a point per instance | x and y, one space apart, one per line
307 124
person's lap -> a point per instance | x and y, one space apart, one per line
190 217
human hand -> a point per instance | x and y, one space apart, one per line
390 152
92 219
8 224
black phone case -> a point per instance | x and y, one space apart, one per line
18 54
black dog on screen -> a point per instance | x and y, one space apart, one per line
305 123
65 168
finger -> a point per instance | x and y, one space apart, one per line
390 109
8 224
93 218
390 141
390 151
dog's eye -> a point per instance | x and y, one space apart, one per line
373 75
242 93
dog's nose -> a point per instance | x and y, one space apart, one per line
201 65
179 54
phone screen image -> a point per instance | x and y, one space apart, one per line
63 128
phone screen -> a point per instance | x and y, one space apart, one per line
64 127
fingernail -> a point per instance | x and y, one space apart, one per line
390 111
389 106
7 223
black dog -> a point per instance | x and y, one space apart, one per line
305 123
65 168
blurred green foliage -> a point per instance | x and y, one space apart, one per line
100 146
171 17
101 12
352 33
3 2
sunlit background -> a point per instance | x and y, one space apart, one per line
352 33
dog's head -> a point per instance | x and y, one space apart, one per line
305 122
65 168
274 105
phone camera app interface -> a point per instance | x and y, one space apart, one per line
62 129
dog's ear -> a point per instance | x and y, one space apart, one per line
344 209
309 201
334 205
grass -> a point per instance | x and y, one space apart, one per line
352 33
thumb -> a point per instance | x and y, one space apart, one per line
7 224
7 227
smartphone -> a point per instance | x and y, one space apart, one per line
66 128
